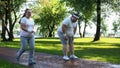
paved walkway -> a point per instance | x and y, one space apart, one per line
52 61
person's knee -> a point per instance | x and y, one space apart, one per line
24 49
31 48
65 46
71 44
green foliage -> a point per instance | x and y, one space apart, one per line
103 28
49 17
114 4
85 7
15 4
2 3
115 27
2 6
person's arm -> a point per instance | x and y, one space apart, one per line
33 30
23 27
64 27
75 29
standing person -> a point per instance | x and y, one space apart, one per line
66 33
27 36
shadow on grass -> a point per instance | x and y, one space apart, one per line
81 43
48 42
97 54
58 42
98 44
109 54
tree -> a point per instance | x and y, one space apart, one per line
97 35
49 17
8 8
2 14
113 4
103 28
116 26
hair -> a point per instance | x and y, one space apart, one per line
75 14
24 14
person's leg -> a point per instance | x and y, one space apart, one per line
31 53
71 48
64 46
65 49
23 41
71 45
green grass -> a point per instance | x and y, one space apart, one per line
8 64
105 50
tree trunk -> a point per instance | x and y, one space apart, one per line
3 31
10 33
50 31
4 26
85 28
50 34
97 35
79 29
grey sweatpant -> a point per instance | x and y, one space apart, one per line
63 41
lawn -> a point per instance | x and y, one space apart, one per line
8 64
105 50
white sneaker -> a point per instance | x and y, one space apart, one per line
65 58
73 57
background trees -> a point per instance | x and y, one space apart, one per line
87 10
49 17
8 15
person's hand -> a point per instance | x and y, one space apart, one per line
30 31
33 32
72 37
65 37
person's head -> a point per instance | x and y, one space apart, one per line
27 13
75 17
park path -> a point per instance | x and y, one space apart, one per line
52 61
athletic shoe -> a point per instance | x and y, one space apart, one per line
73 57
18 58
31 63
65 58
